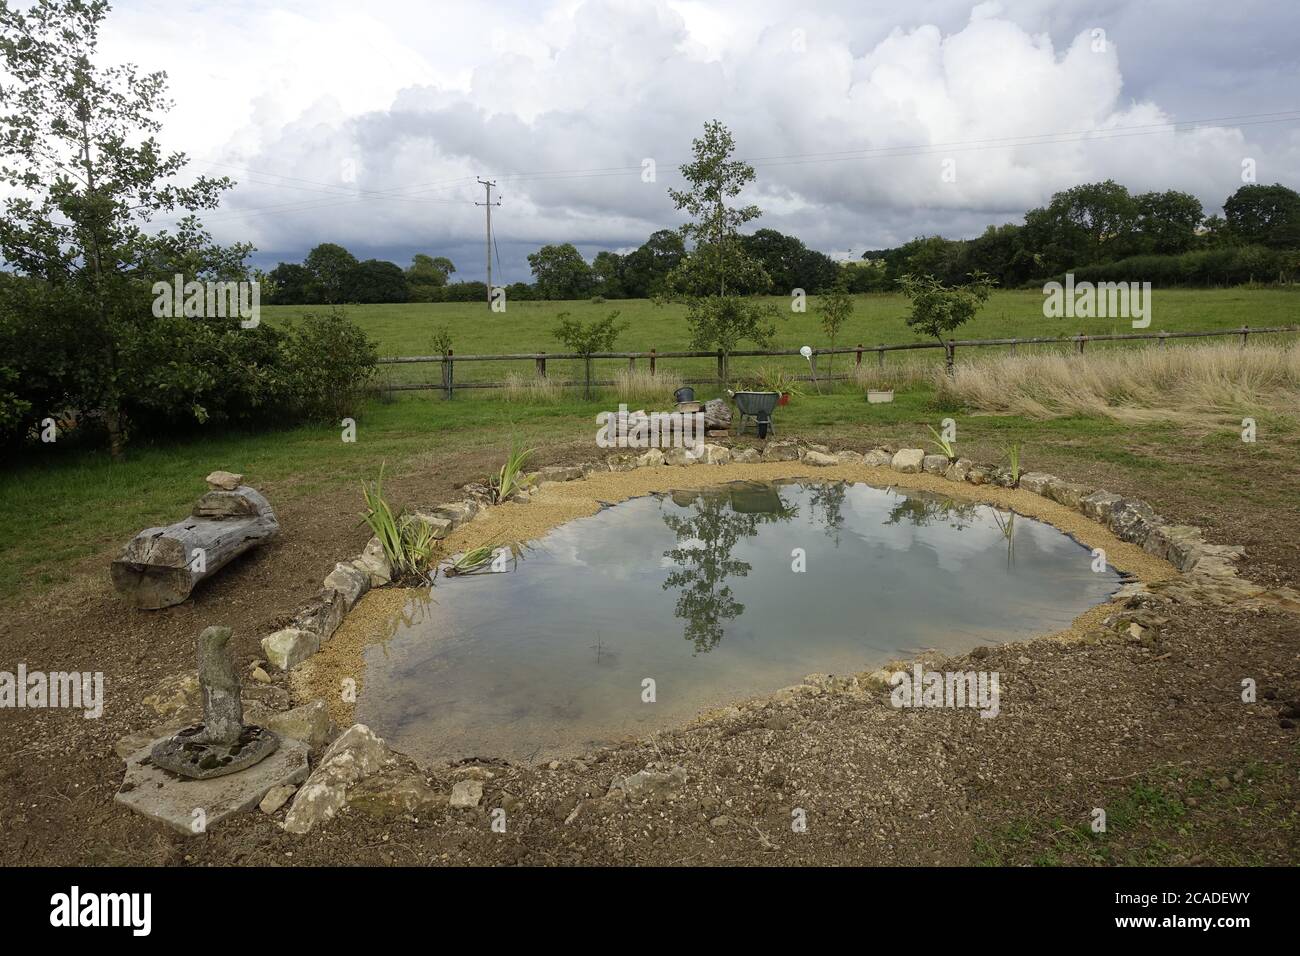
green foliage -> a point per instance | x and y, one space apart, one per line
772 378
440 341
835 308
938 309
943 444
1013 462
511 477
723 322
330 268
715 177
588 338
1268 215
407 542
475 559
329 361
560 272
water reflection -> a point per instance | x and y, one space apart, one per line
716 520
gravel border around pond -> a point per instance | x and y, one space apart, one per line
558 502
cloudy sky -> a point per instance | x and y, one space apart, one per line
367 123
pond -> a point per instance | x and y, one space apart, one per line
715 596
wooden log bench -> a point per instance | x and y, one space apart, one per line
159 567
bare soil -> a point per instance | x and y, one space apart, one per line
1159 735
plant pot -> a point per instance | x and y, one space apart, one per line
879 396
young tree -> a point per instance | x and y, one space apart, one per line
835 308
723 322
937 308
714 178
588 338
86 175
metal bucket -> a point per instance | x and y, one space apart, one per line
684 394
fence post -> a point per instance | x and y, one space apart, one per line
631 363
722 367
1245 331
1079 343
448 370
652 363
880 358
857 361
949 348
1164 339
1013 346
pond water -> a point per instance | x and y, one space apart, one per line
698 591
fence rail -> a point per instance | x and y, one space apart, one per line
448 386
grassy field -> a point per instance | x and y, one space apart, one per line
878 319
63 510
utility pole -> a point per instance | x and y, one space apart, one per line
488 184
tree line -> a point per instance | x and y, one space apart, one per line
1099 231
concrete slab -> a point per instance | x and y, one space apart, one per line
173 800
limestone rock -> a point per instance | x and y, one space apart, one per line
958 470
439 527
716 455
1098 505
628 462
357 754
820 459
1132 519
560 473
394 794
650 459
877 458
908 460
847 457
323 614
350 582
176 696
224 481
746 456
375 564
466 793
458 512
978 475
1179 544
653 784
781 451
229 504
309 723
276 797
935 464
1068 493
289 647
1036 481
172 800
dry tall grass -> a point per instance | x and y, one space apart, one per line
638 386
1204 383
895 374
533 390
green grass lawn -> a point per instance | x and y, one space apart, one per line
878 319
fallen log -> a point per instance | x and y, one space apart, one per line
159 567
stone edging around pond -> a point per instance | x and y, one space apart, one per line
1208 571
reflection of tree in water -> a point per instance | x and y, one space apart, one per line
828 500
927 511
706 536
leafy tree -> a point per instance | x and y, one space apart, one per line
697 273
1086 224
292 284
607 275
331 268
723 322
586 339
1168 220
646 268
86 175
426 275
938 309
835 308
1268 215
375 280
715 177
560 272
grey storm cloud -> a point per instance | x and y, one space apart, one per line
851 113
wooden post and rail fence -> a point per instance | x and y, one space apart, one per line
448 385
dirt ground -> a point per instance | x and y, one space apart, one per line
1156 735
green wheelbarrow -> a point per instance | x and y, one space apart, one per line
756 407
